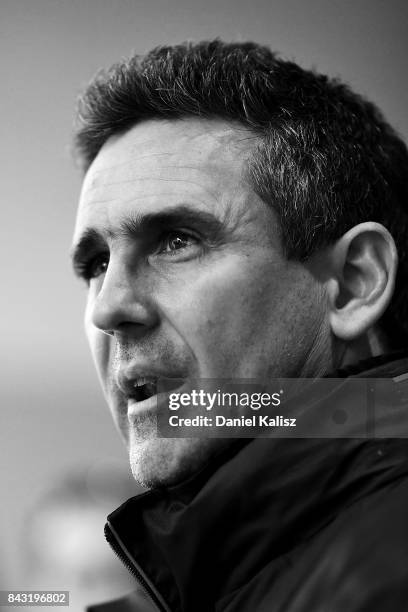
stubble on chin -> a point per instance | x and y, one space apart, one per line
163 462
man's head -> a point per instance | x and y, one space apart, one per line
237 219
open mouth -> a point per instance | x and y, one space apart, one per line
139 390
143 390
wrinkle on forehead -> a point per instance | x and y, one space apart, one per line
201 164
208 142
161 163
154 187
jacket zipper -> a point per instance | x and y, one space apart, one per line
133 568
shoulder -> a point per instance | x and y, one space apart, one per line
358 562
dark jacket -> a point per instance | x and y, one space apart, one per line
289 525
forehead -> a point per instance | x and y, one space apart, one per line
158 163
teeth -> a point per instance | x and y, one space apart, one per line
143 381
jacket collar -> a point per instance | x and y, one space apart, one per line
208 536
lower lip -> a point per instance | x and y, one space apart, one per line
136 409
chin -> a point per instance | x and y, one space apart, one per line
164 462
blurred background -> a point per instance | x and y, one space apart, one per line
54 422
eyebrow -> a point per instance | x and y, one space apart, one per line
136 224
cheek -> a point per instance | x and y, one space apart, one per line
223 314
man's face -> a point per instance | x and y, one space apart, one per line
187 279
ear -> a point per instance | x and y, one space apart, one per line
363 267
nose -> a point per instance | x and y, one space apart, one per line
123 303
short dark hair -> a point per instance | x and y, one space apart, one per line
325 158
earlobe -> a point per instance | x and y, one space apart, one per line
363 269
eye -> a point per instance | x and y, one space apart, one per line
175 241
96 266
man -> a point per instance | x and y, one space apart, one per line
243 218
